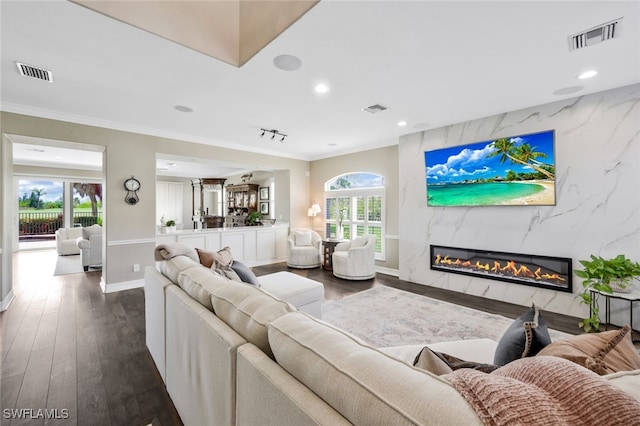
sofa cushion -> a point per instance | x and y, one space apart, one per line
526 336
245 274
249 310
303 238
200 283
88 231
364 385
628 381
604 353
172 267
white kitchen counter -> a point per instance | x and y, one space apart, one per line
253 245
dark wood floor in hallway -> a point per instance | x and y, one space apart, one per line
67 346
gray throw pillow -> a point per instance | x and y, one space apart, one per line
246 275
526 336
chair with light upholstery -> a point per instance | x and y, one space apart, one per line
355 260
304 249
66 241
90 245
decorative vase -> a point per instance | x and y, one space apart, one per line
339 232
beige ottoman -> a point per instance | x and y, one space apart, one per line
301 292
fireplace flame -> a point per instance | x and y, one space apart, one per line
510 267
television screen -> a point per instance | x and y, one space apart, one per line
517 171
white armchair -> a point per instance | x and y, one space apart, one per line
304 249
90 245
66 241
355 260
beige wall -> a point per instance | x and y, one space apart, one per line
382 161
129 229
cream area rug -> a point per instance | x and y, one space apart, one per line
68 265
384 316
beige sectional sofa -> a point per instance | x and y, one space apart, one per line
260 361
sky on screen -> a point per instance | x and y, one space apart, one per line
469 162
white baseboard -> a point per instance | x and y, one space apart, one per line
125 285
388 271
252 263
4 303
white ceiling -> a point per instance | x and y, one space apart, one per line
431 63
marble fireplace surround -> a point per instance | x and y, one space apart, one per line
597 211
549 272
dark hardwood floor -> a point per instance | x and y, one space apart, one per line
67 346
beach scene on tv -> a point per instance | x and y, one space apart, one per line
518 170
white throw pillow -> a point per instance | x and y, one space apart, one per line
359 242
303 238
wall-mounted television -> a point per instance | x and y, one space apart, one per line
517 171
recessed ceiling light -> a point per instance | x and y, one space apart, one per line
568 90
322 88
171 164
332 144
35 149
402 123
182 108
588 74
287 62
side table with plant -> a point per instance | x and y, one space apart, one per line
604 275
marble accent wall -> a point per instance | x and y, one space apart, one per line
597 143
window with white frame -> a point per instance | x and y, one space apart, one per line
169 201
355 203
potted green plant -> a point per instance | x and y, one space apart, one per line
604 275
254 218
171 225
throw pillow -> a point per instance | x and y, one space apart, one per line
223 257
206 257
603 353
526 336
226 272
359 242
303 238
440 363
430 361
245 274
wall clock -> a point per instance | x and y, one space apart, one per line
132 185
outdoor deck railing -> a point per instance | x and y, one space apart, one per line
33 224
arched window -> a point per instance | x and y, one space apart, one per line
356 201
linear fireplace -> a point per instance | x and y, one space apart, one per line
539 271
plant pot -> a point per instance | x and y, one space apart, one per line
617 288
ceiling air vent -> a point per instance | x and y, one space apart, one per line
34 72
374 109
595 35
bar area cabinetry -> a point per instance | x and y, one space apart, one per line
242 199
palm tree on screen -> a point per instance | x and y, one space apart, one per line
507 149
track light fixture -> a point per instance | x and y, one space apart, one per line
273 132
